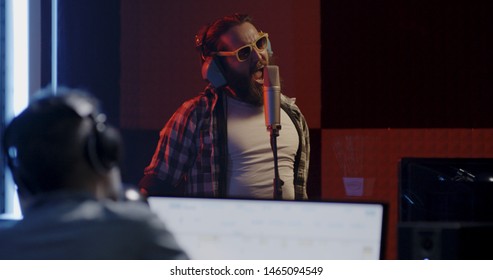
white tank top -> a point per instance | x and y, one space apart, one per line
250 157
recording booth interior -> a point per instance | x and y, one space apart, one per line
241 229
377 82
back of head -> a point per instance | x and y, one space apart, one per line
57 141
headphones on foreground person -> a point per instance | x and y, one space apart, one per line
102 147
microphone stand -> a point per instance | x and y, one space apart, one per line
277 182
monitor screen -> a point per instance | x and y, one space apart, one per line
446 189
235 229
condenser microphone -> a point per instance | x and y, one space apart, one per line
272 97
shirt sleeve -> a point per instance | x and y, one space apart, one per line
306 155
174 154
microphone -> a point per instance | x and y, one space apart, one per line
272 98
272 110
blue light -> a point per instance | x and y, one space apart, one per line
18 50
16 81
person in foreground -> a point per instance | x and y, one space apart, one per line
64 159
216 144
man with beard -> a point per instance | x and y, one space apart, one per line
216 144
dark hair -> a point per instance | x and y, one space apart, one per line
208 36
45 142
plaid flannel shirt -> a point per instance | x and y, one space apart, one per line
189 158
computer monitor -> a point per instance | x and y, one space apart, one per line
446 190
236 229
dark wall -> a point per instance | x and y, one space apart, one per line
45 43
89 58
89 50
407 64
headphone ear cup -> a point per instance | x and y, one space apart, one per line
104 149
211 71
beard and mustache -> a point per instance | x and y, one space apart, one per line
249 91
246 88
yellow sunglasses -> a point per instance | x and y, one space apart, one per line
243 53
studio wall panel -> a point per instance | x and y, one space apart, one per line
160 67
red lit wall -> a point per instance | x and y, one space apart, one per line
160 67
